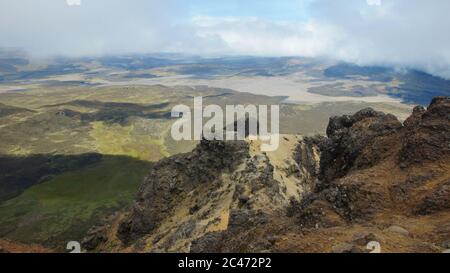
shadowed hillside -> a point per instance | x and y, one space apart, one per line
52 199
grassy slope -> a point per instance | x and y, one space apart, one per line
65 207
123 140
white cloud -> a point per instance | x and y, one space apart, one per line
52 27
408 33
404 33
373 2
73 2
254 36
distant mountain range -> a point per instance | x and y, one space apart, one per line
411 86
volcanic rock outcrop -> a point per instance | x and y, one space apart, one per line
371 179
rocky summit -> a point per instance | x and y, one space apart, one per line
372 180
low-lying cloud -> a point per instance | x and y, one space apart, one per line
403 33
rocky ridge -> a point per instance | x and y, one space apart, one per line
371 178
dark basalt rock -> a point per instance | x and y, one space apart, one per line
348 136
427 136
304 154
354 200
243 219
416 116
241 222
208 243
360 141
439 200
172 177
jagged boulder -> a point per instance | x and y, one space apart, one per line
427 136
307 156
348 136
356 143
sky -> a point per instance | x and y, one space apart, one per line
401 33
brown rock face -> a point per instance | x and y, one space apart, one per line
361 148
438 200
427 136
